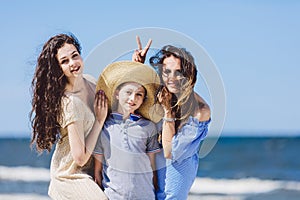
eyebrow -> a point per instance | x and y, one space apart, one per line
141 90
165 66
75 51
176 70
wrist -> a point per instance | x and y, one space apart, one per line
169 119
168 113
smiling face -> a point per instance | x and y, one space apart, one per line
171 74
70 61
130 97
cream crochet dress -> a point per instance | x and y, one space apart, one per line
68 180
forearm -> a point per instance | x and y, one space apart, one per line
98 169
153 166
82 147
168 131
168 127
100 109
91 139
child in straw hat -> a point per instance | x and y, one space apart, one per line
125 150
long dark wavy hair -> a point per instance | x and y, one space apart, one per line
184 104
48 87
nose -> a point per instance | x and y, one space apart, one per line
175 75
172 75
132 97
71 63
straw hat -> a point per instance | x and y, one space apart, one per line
127 71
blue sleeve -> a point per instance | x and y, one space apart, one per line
152 141
186 142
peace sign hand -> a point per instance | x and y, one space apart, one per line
139 55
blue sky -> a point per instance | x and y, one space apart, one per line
255 45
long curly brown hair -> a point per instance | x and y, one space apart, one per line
183 105
48 87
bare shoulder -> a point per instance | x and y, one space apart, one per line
202 112
90 78
91 81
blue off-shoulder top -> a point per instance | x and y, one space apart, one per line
179 173
186 142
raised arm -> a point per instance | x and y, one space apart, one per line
168 126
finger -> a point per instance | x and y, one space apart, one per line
138 41
138 58
135 56
96 97
145 50
159 97
164 90
96 103
103 100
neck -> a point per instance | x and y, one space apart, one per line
125 114
75 85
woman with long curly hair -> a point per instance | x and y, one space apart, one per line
185 122
64 106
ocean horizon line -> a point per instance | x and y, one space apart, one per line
224 134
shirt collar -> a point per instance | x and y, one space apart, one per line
119 116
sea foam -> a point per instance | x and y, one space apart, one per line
240 186
24 173
201 185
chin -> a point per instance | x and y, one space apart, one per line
174 90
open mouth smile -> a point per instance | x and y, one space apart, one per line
75 69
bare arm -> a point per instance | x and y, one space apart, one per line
168 132
82 147
168 127
98 169
203 112
153 166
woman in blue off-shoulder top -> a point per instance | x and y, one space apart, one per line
185 122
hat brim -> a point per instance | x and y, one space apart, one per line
121 72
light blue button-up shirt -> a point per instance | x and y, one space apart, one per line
127 172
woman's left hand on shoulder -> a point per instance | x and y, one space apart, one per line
101 106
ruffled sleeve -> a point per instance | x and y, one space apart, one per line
71 111
186 142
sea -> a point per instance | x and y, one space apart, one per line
237 168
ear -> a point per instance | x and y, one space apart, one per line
117 94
